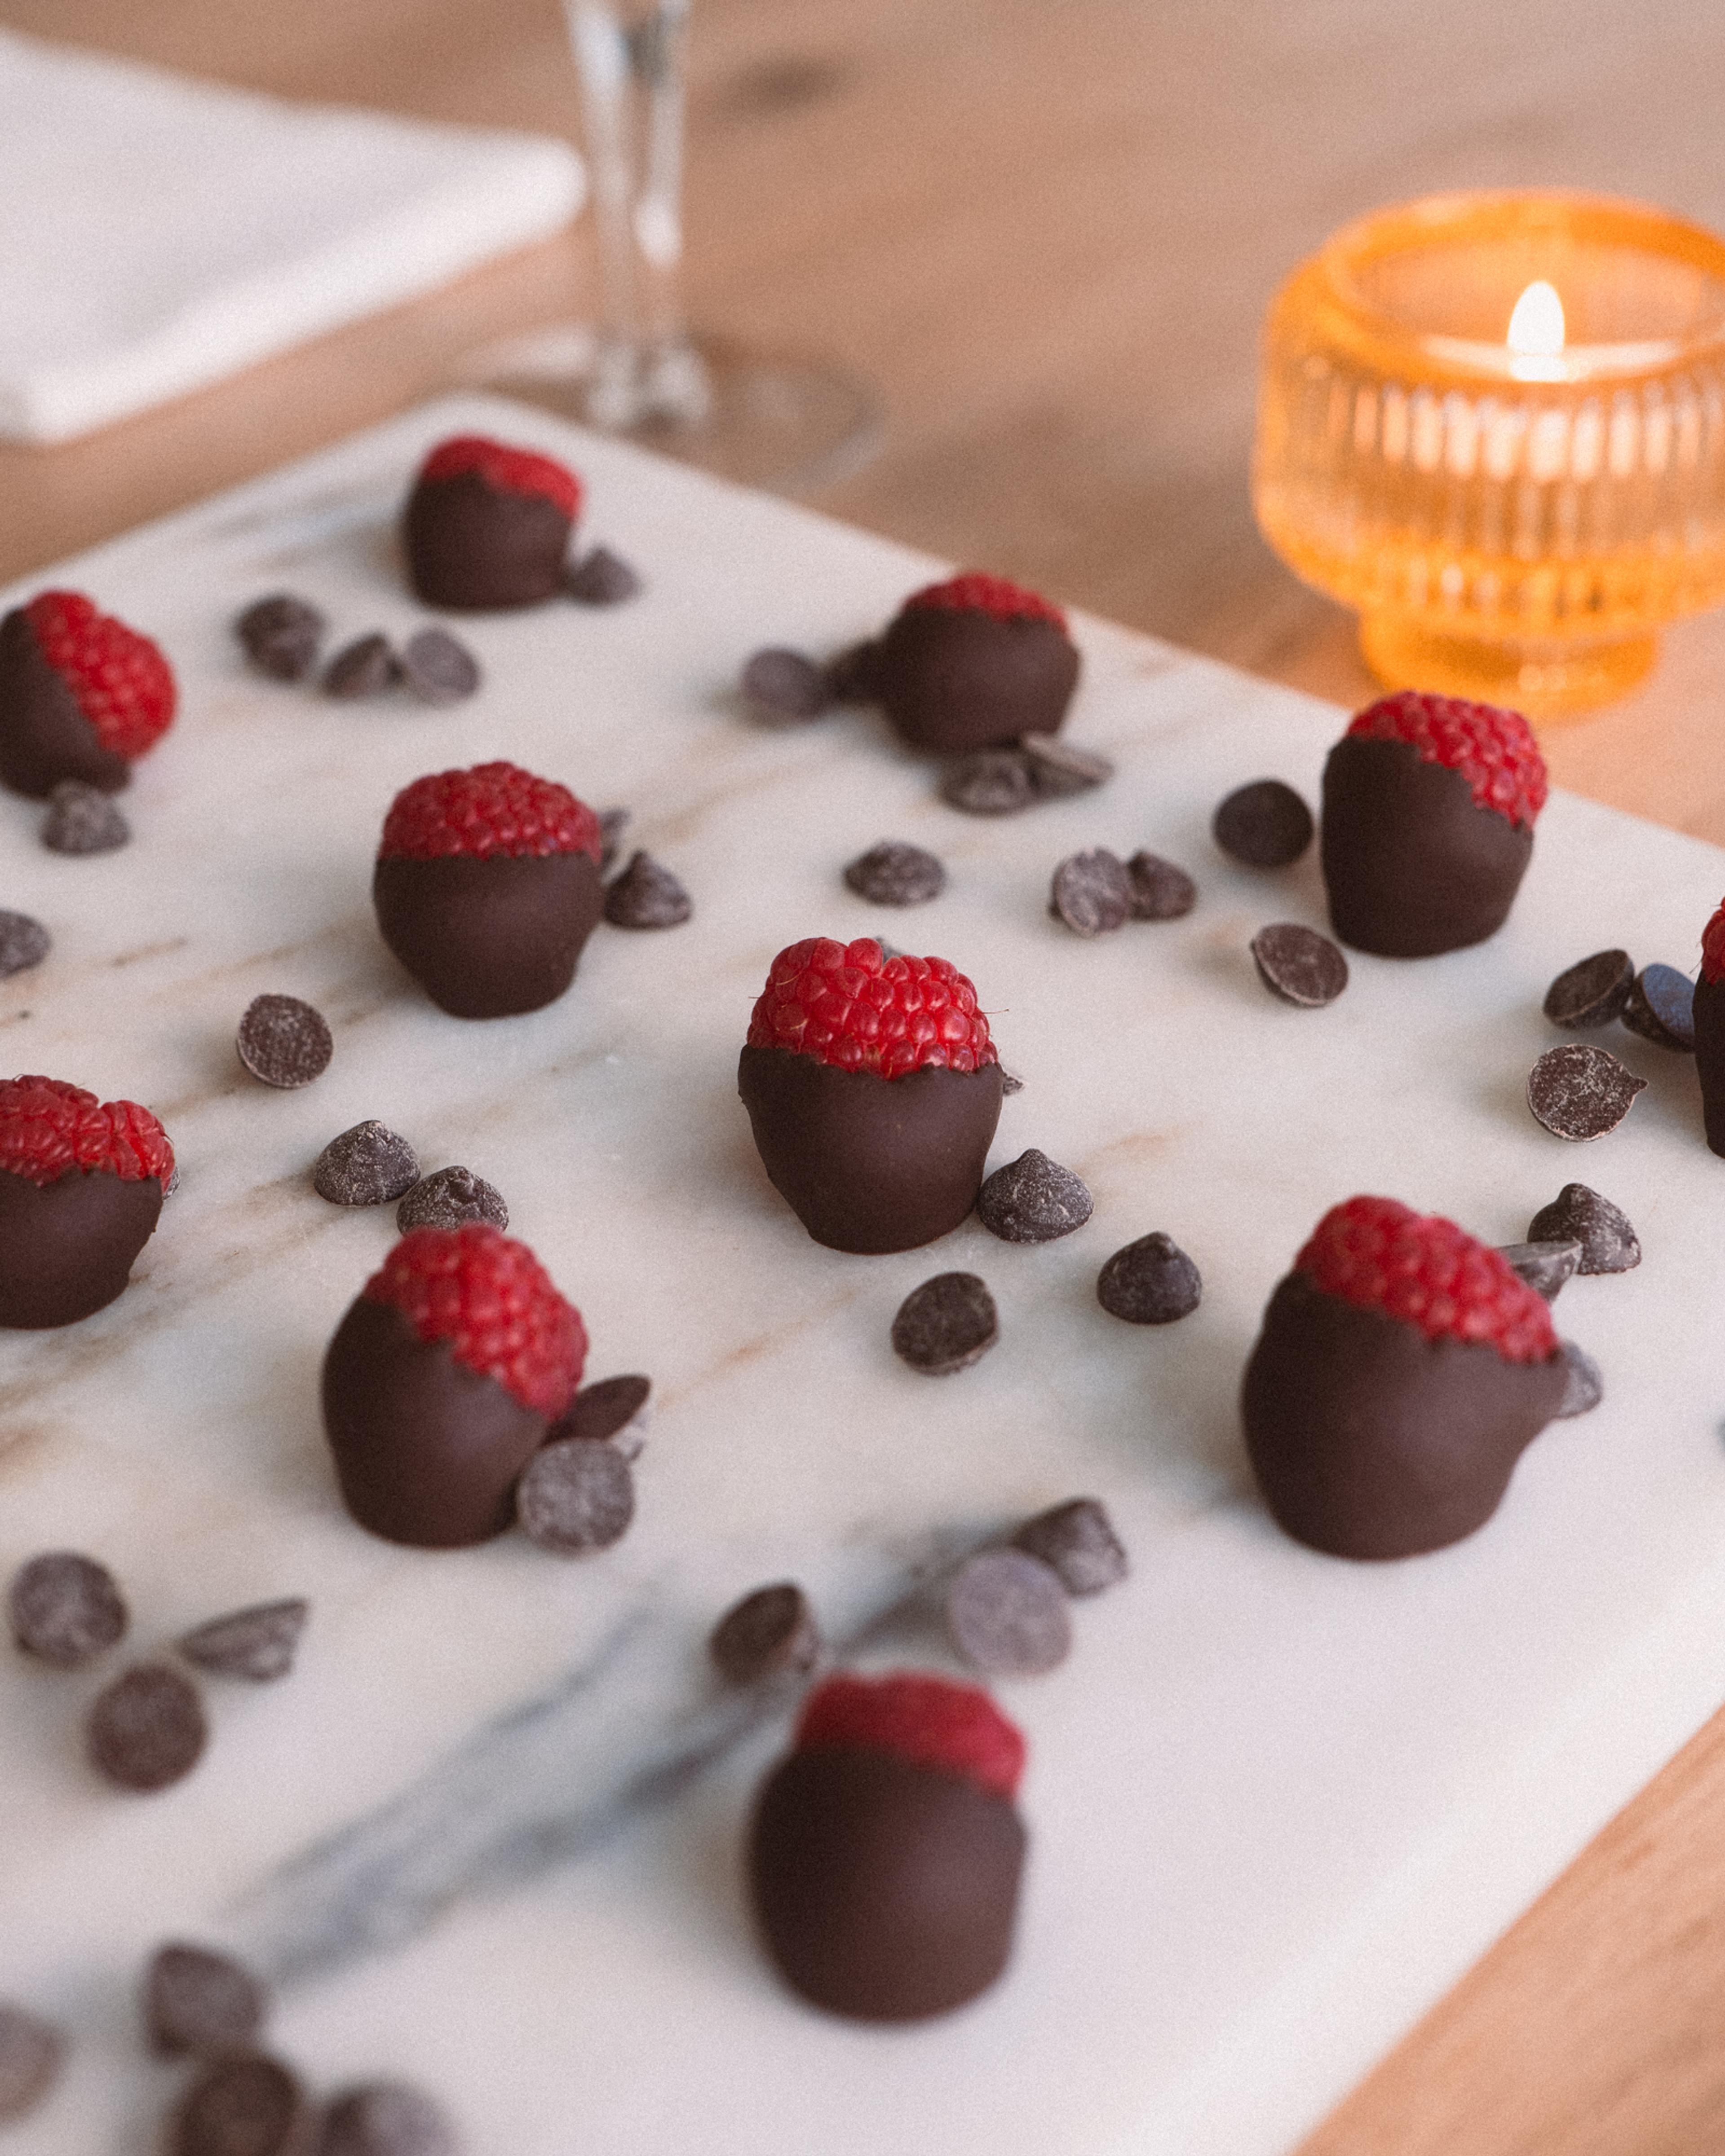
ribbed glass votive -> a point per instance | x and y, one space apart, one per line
1494 423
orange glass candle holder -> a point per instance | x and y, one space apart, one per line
1494 423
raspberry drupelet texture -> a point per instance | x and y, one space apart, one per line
1380 1254
490 1298
1713 947
929 1721
493 809
118 680
48 1128
849 1006
1494 750
513 471
975 592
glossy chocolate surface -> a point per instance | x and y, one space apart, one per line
44 737
487 938
68 1247
955 678
476 548
1710 1056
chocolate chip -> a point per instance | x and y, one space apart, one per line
31 2052
1546 1266
994 782
368 1165
894 873
243 2106
946 1325
1299 965
450 1198
1592 992
147 1729
1160 890
438 668
1580 1093
366 667
1007 1613
613 823
386 2118
66 1608
82 819
201 2001
281 635
1077 1542
1010 1084
605 1410
771 1633
1661 1009
1583 1386
257 1643
1266 825
1609 1244
1059 767
23 943
1149 1282
646 895
785 685
575 1497
1092 893
1033 1199
283 1042
851 675
603 578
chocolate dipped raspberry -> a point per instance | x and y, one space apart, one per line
974 663
81 696
1709 1010
440 1383
82 1185
487 887
1402 1370
873 1089
884 1852
487 526
1428 807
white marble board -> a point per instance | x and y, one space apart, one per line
1278 1802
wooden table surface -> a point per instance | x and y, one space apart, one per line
1045 231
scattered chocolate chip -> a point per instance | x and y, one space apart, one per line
1160 890
575 1497
147 1729
994 782
450 1198
438 668
66 1608
1009 1083
1609 1244
1077 1542
785 685
82 819
1007 1613
894 873
200 2001
1299 965
1592 992
281 635
23 943
1266 825
366 667
1580 1093
1033 1199
1547 1265
771 1633
646 895
246 2105
613 823
1583 1385
1092 893
602 578
368 1165
283 1042
386 2118
1059 767
31 2052
613 1409
257 1643
1661 1009
946 1325
1149 1282
851 675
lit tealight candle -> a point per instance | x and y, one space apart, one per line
1535 335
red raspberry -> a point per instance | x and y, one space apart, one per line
1494 750
48 1128
955 1729
1383 1256
511 471
494 808
1713 947
490 1298
974 593
850 1007
120 680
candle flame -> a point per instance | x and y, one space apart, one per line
1536 333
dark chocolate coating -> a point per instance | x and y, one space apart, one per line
1710 1056
427 1451
474 547
871 1164
67 1247
954 679
1412 865
488 938
1368 1440
884 1890
44 737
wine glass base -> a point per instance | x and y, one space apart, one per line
1549 681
